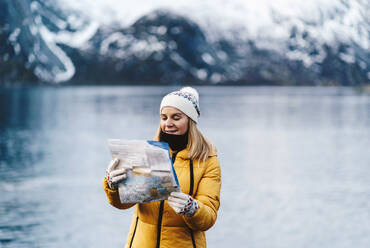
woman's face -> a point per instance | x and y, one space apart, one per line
173 121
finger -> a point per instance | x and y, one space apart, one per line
177 200
177 209
179 195
117 172
118 179
174 199
176 205
113 164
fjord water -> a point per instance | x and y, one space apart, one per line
295 164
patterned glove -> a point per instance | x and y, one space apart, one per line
113 175
183 204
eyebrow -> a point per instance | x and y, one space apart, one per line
178 113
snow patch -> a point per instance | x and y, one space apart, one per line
268 23
208 58
180 61
59 74
14 35
76 39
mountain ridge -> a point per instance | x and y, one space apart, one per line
58 45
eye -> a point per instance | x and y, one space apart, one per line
163 118
176 117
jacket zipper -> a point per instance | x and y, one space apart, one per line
159 227
133 235
191 194
160 215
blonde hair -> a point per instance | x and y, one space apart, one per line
198 146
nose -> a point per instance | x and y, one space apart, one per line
169 122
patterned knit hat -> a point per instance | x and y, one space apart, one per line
186 100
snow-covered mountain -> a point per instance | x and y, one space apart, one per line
286 42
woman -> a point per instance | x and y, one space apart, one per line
180 221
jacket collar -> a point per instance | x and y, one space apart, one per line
184 154
181 154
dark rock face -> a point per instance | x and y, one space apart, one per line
13 59
268 67
30 53
161 48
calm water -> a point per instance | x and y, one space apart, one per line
295 164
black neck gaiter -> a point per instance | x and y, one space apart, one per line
176 142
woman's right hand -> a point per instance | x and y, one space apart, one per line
113 175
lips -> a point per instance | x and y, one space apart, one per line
171 131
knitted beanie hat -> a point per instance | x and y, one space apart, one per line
186 100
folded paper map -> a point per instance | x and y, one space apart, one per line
150 172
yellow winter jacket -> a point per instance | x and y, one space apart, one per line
156 224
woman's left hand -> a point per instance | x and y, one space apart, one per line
183 204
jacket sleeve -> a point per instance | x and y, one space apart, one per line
208 197
113 197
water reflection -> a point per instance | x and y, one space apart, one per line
294 164
21 135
